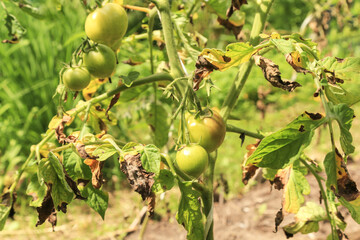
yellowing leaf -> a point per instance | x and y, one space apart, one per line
89 91
275 35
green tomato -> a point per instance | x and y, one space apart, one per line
76 78
208 131
107 25
192 160
100 61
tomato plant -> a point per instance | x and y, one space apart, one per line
100 61
207 130
68 162
107 25
76 78
192 160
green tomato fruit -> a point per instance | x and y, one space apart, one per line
76 78
208 131
192 160
100 61
107 25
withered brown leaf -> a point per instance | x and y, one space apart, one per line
203 69
272 74
95 167
140 180
59 131
47 210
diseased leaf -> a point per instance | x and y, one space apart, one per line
151 158
189 213
282 147
51 171
307 219
96 199
295 188
337 94
6 208
272 74
140 180
344 115
338 177
95 167
102 153
15 30
157 119
47 210
164 181
93 86
347 69
113 101
75 166
36 191
296 61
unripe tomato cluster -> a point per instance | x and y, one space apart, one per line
105 27
207 133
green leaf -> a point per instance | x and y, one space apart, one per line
307 219
345 69
282 147
220 7
307 41
284 46
75 166
344 116
269 173
157 118
164 182
104 152
151 158
353 207
130 78
296 187
236 54
96 199
36 191
189 213
132 93
337 94
51 172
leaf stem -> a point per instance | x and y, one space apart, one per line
234 129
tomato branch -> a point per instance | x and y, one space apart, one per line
234 129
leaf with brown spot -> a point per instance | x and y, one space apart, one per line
235 5
203 69
295 61
272 74
6 207
95 166
230 25
59 131
91 89
249 170
140 180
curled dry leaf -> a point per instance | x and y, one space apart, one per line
151 200
203 69
95 167
8 201
140 180
281 178
59 131
278 219
113 101
249 170
236 29
272 74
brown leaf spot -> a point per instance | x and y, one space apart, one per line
73 186
314 116
302 128
8 201
281 179
235 5
290 59
339 60
248 172
131 62
272 74
140 180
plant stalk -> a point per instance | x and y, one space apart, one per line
245 68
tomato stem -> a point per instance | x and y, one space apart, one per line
137 8
234 129
245 68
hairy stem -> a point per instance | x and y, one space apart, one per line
245 68
234 129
